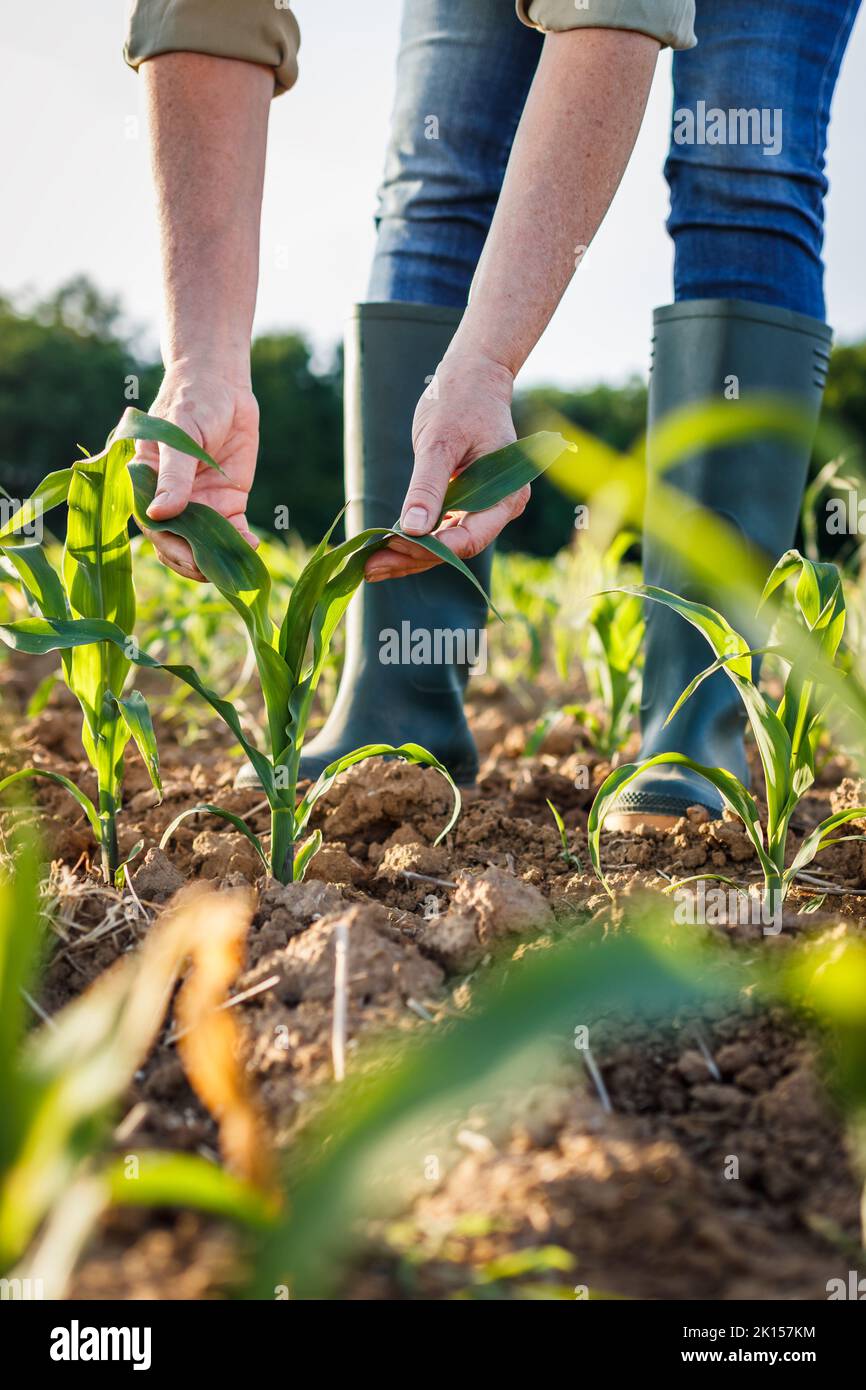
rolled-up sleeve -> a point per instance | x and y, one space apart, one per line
672 22
257 31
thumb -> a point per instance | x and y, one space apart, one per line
174 483
434 464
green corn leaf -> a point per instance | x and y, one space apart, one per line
703 425
21 936
568 856
820 838
39 635
185 1180
699 878
560 823
496 476
231 564
305 854
310 586
137 424
827 477
122 869
484 483
205 807
226 711
441 551
53 490
338 1171
408 752
718 665
723 639
43 587
136 715
819 595
97 572
772 738
733 792
83 800
333 601
820 601
220 552
42 694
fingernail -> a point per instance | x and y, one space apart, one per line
415 519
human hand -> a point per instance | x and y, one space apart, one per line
217 408
465 413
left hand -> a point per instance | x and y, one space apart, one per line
465 413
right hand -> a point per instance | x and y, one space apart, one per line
217 408
467 415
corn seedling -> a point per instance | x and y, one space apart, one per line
611 662
289 658
571 859
606 638
91 584
786 737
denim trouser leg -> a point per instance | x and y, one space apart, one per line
463 73
748 224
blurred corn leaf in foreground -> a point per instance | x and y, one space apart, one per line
62 1083
359 1157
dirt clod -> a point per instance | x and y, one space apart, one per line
157 878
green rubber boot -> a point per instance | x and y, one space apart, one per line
409 642
756 486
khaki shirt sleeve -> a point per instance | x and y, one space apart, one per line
257 31
672 22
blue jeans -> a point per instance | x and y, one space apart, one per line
745 224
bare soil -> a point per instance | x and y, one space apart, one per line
638 1202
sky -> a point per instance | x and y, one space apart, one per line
77 192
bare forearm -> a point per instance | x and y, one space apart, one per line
577 132
208 121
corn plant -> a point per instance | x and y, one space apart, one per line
612 644
289 658
178 621
91 584
606 639
571 859
786 737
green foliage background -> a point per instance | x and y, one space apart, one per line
65 364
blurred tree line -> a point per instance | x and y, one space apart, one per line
69 367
